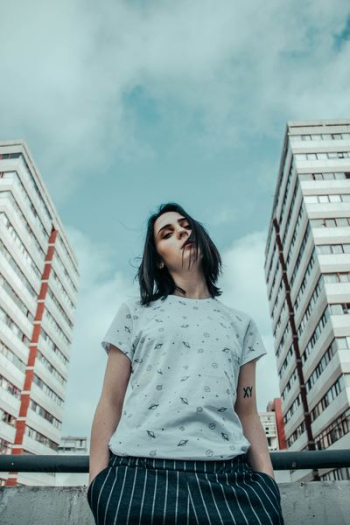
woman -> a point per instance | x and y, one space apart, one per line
176 437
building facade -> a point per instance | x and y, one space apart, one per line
38 292
307 270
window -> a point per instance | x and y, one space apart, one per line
305 176
336 309
342 343
331 278
312 199
324 249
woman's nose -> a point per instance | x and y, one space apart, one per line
182 232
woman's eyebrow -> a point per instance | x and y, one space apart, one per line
168 225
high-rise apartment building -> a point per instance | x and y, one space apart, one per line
307 269
38 294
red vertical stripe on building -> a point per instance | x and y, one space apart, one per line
29 374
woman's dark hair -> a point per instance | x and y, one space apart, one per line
149 275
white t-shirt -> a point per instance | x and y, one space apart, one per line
185 355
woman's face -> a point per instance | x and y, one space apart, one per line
171 230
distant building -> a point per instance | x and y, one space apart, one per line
38 292
73 445
307 268
272 423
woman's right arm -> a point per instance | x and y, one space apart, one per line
109 409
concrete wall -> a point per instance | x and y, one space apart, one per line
313 503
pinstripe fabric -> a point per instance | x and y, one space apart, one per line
136 490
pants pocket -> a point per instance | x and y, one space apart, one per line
270 479
94 480
267 477
111 457
264 474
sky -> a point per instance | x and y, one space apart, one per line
126 105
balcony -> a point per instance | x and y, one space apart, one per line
309 503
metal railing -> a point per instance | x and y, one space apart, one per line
308 459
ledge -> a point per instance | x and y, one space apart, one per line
312 503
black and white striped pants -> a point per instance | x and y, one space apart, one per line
146 491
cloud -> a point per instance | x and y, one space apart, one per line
244 279
225 215
102 289
219 73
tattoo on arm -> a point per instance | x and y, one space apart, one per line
248 391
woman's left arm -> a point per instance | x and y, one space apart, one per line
258 455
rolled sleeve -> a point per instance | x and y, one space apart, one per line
120 332
253 346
